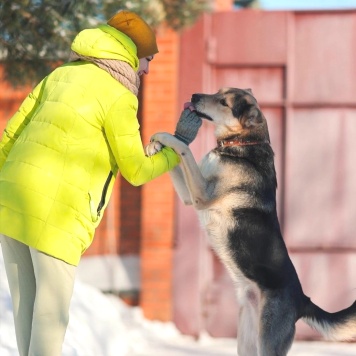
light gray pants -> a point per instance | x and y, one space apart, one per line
41 288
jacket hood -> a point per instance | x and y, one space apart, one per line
107 43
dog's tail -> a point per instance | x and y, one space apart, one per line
339 326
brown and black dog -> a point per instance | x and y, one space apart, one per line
234 193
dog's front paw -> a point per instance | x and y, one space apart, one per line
152 148
166 139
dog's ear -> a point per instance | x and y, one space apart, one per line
249 90
253 117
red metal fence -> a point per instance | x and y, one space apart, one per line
301 67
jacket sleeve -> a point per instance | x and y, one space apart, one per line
122 132
18 122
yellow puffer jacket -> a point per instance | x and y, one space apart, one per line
57 152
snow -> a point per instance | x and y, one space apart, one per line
102 325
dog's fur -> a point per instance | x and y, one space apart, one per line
234 192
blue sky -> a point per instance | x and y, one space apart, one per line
307 4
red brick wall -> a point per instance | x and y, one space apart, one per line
120 230
130 205
145 215
10 100
107 235
159 113
139 220
130 222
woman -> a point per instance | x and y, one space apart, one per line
59 156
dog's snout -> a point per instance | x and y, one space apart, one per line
196 98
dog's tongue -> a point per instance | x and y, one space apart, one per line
189 105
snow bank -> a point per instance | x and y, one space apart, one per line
102 325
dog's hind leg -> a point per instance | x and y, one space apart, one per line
277 326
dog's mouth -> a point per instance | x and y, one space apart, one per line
193 107
203 115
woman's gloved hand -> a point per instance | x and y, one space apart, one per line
188 125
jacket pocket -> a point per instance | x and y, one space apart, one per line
95 210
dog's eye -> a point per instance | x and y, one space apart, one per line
223 102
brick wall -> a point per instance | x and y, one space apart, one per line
138 219
10 100
130 226
145 215
120 229
108 233
159 113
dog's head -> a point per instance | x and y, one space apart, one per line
235 112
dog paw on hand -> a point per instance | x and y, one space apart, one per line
152 148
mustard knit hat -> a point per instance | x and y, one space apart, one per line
138 30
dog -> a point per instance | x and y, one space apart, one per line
234 193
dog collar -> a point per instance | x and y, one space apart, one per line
236 142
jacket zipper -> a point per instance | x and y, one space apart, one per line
103 194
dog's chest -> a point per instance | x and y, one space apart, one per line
218 218
209 165
222 175
216 172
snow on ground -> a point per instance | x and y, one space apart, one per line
102 325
